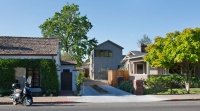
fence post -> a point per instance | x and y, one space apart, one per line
138 87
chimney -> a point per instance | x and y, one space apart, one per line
142 47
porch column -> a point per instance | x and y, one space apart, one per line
59 79
166 71
133 67
129 66
148 68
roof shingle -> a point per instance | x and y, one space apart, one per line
28 46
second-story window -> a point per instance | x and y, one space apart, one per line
103 53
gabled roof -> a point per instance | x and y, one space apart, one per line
137 54
133 54
28 46
111 43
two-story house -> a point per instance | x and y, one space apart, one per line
106 55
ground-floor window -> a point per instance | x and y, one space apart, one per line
140 69
34 72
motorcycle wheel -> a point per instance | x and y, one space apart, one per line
14 103
26 102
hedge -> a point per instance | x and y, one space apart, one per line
126 86
48 74
169 81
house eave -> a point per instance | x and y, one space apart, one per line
28 54
136 57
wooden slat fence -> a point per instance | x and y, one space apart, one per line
112 76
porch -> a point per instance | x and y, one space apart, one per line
141 70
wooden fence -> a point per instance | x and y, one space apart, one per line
112 76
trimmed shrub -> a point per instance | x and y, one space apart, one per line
165 82
126 86
194 82
79 81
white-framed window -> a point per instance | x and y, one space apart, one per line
139 68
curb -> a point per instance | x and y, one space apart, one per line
183 100
56 102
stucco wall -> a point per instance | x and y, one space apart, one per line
138 76
153 70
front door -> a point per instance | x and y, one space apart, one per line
66 81
139 68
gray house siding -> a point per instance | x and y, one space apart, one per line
112 62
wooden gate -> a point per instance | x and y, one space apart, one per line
112 76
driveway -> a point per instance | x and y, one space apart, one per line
90 95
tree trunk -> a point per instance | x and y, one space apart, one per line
187 83
187 87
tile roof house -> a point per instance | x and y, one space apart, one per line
137 67
38 48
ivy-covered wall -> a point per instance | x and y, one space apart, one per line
48 73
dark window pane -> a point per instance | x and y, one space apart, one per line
34 73
103 53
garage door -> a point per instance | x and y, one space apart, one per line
66 81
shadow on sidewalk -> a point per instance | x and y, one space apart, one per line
66 93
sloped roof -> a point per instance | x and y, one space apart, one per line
68 63
28 46
133 54
137 54
111 43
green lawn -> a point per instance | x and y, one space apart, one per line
174 91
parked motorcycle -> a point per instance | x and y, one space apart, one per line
22 96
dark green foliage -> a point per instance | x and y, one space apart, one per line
79 81
165 82
71 28
195 82
126 86
47 69
49 77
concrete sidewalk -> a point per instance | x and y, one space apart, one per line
45 100
116 95
92 96
110 98
185 97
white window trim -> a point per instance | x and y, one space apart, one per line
137 68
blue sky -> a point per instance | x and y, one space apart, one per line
121 21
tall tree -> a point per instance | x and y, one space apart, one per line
71 28
176 48
144 40
188 50
66 57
